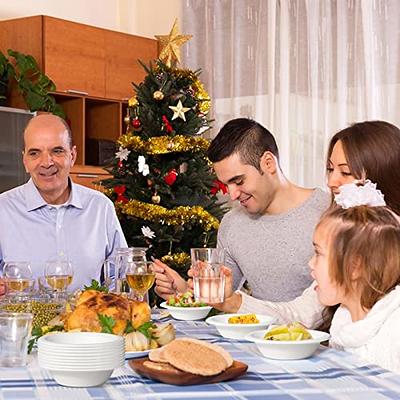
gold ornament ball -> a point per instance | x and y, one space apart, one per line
158 95
133 102
127 120
156 199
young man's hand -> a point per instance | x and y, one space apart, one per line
168 281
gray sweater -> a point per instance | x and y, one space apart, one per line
272 251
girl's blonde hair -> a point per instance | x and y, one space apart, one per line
367 238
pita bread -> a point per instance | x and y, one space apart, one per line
160 366
195 357
157 356
219 349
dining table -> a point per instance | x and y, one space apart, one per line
328 374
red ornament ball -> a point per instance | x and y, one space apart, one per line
136 123
170 178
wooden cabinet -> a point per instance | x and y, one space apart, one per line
78 57
89 176
93 69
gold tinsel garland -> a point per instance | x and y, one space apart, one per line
164 144
177 258
177 216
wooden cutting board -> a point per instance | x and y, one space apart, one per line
176 377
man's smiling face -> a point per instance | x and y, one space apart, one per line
252 188
48 157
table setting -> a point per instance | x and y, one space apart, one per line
110 345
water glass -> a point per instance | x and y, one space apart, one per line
17 277
15 330
208 277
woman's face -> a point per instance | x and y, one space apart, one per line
338 171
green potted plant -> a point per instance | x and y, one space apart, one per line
34 85
6 72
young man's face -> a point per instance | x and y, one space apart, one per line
254 190
48 157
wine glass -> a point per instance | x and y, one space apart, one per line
17 276
59 275
140 277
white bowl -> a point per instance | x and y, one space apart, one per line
187 313
81 378
81 340
287 350
237 331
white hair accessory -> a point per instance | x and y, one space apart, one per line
354 194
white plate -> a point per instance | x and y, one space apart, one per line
285 349
187 313
136 354
238 331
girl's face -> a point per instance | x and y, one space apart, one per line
338 171
329 293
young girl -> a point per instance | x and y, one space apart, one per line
357 265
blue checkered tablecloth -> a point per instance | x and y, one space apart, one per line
329 374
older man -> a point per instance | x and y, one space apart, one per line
50 217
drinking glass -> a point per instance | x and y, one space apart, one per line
15 330
18 277
59 275
140 277
208 277
114 267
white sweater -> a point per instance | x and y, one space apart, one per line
305 308
376 338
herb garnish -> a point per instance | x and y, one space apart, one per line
39 332
146 329
95 285
107 323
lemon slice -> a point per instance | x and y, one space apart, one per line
291 332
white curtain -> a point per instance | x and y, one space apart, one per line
302 68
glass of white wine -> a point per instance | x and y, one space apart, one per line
140 277
18 277
58 275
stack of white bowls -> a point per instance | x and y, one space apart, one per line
81 359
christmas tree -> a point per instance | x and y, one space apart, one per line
163 187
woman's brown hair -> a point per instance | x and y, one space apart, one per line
372 150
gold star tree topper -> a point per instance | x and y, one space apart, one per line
169 45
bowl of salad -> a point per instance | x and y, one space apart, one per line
184 307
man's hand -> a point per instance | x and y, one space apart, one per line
168 281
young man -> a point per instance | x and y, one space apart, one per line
268 239
50 217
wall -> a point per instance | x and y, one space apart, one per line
138 17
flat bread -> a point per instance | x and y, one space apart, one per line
195 357
219 349
161 367
156 355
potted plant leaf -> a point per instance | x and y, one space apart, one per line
34 85
6 72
